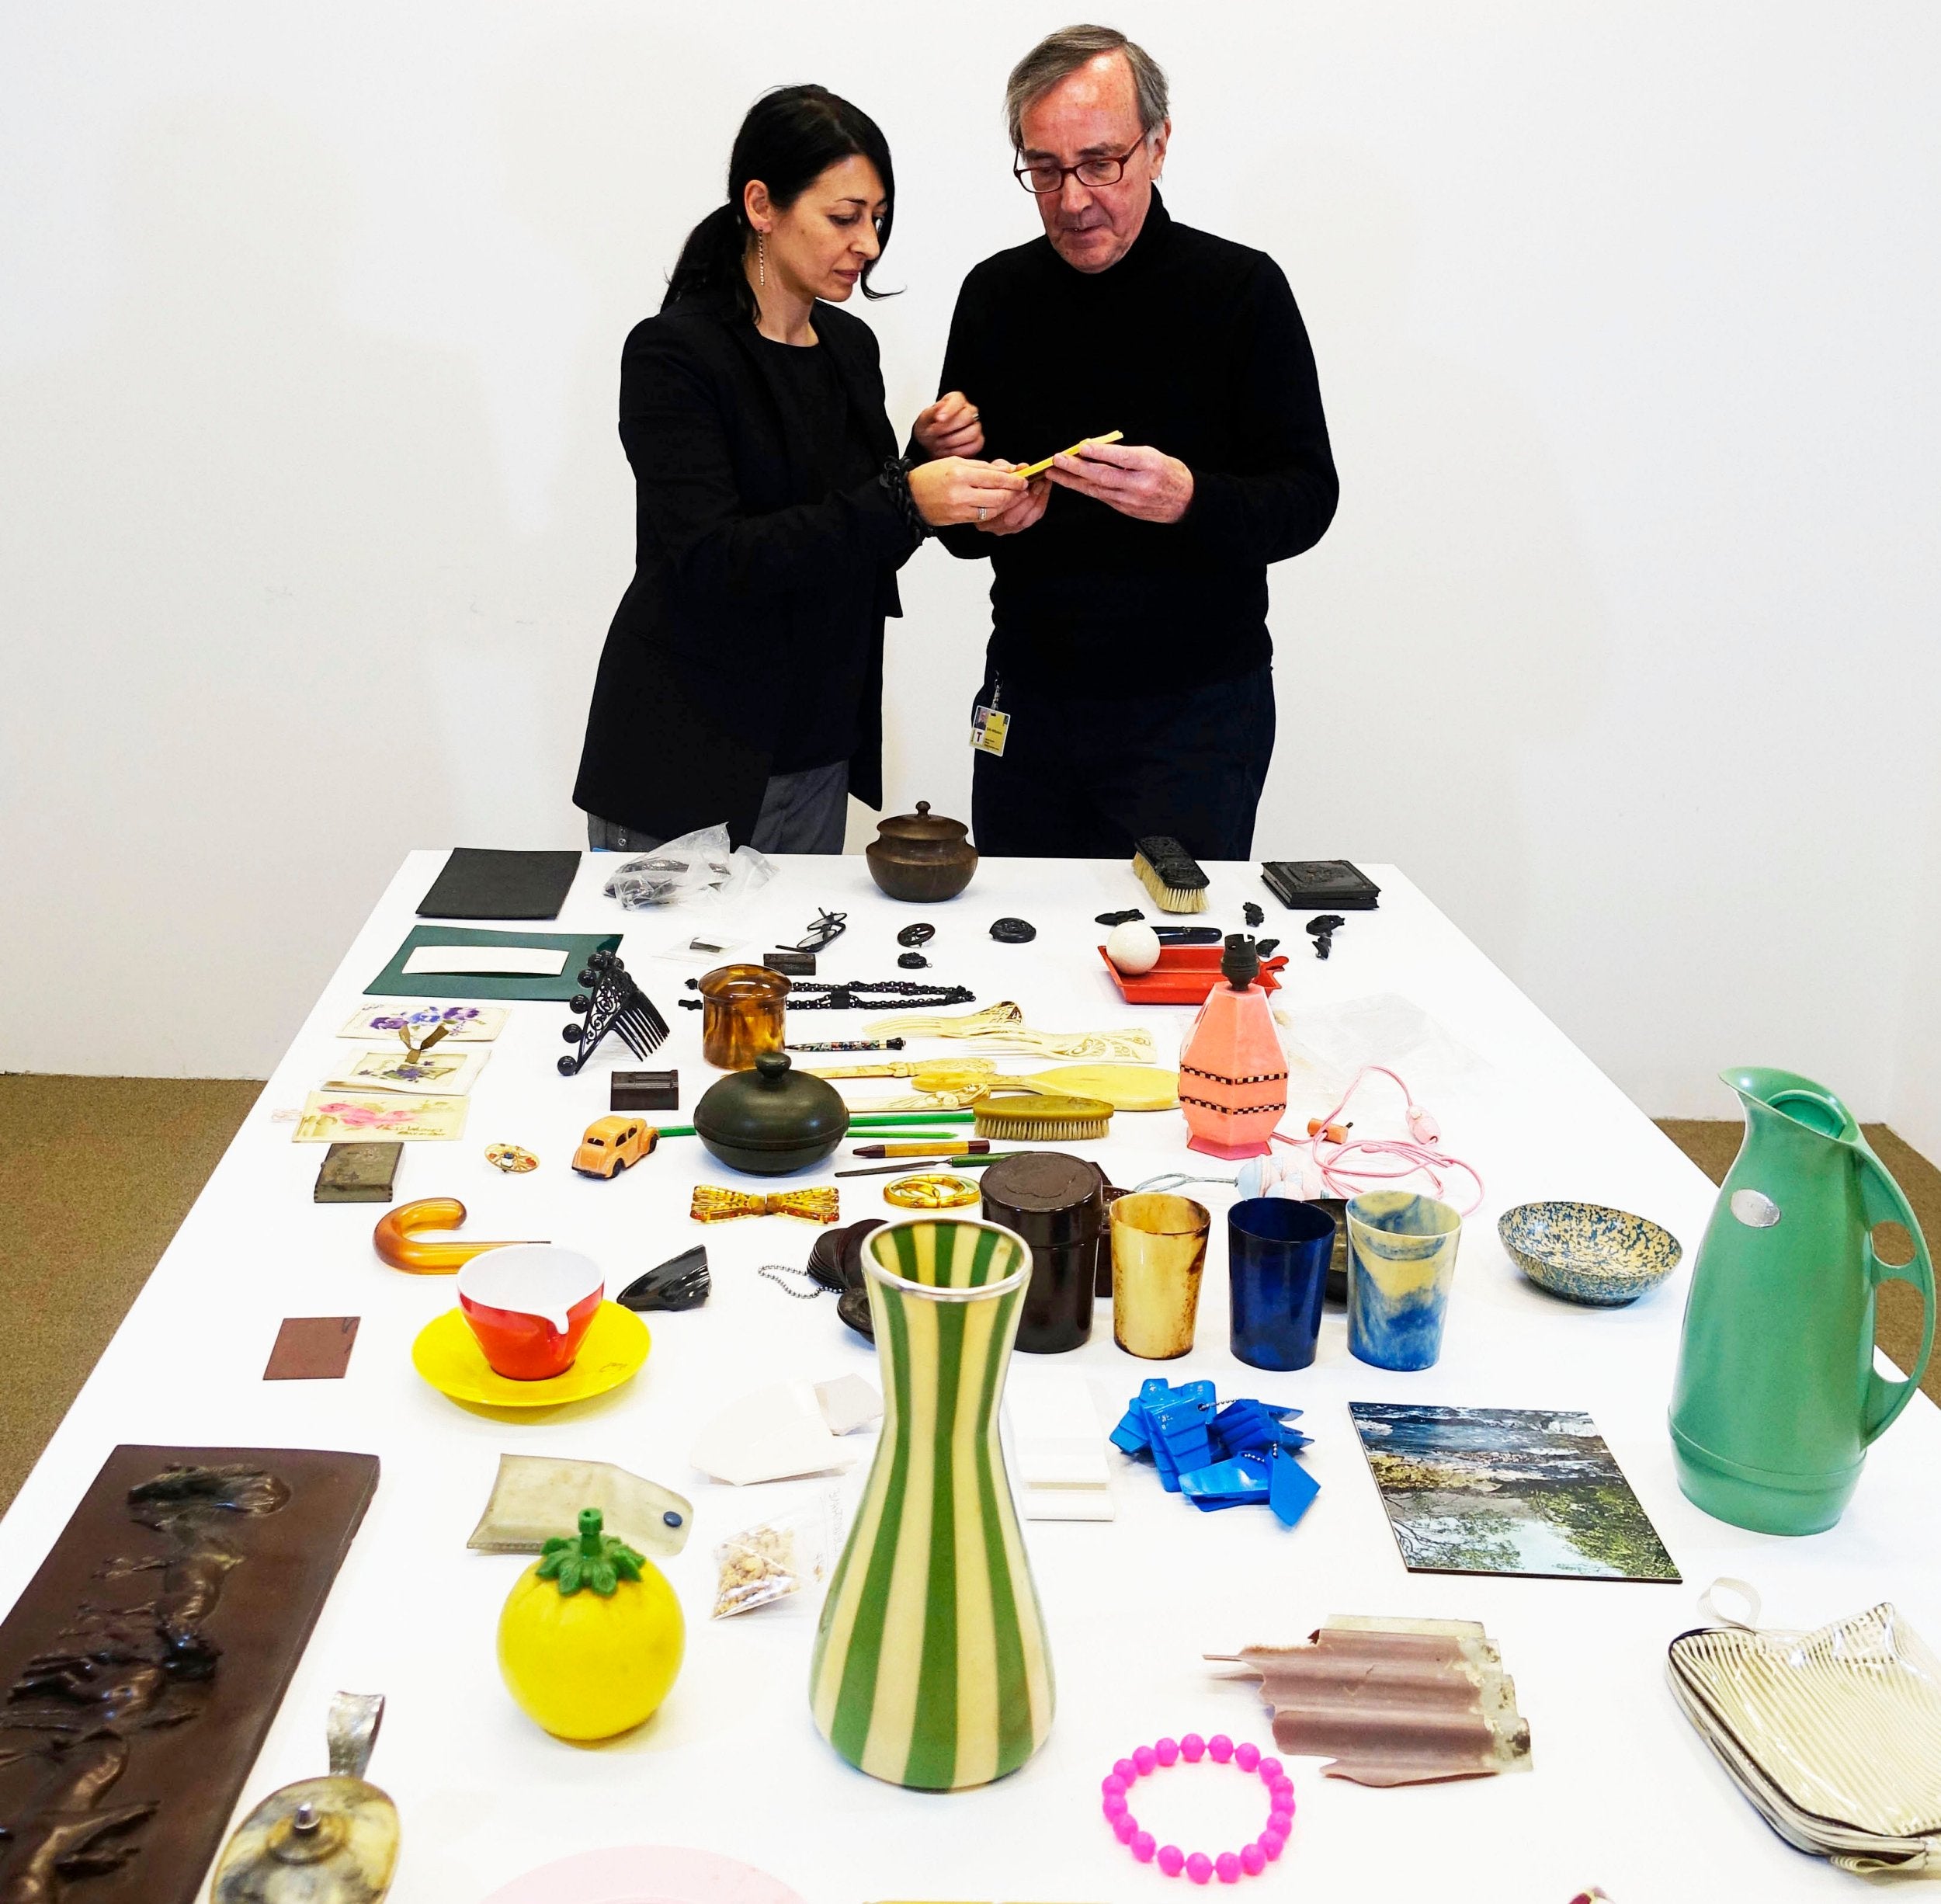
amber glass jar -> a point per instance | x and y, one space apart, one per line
742 1008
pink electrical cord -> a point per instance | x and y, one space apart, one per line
1323 1170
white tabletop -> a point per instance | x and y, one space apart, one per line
1622 1793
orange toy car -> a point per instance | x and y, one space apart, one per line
611 1144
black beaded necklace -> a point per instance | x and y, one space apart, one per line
823 995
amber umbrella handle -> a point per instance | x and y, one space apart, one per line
398 1242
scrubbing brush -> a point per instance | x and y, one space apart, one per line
1028 1117
1170 873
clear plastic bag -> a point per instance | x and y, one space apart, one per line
779 1557
698 867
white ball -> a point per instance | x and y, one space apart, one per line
1133 947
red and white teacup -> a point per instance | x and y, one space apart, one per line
530 1305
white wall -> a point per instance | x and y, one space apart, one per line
312 514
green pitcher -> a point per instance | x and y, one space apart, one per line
1777 1400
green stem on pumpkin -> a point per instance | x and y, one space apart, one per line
594 1559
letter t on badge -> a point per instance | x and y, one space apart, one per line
988 728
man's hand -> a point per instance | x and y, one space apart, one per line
1023 510
950 427
1139 481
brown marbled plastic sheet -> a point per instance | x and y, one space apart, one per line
1393 1702
143 1665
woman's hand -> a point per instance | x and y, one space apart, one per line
950 427
1022 511
956 490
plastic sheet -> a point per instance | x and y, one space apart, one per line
698 868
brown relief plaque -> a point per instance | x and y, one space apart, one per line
143 1665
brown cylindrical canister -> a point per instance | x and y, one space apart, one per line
1057 1204
1102 1279
742 1015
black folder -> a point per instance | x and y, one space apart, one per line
483 882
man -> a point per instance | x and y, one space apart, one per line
1129 686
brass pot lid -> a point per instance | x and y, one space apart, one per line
322 1840
319 1841
922 826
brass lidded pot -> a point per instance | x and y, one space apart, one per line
772 1120
921 857
741 1010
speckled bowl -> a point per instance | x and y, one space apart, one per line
1588 1253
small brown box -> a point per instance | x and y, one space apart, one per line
646 1090
357 1173
791 965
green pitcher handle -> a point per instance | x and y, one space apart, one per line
1880 1197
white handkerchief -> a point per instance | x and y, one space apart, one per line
524 961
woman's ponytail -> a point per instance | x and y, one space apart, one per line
710 265
790 136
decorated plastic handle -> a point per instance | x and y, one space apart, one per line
398 1241
1880 1197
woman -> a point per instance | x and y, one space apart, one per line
742 676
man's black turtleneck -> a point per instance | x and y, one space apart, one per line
1192 344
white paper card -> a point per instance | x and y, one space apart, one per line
523 961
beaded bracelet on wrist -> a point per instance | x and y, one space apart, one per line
895 477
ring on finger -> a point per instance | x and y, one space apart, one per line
979 512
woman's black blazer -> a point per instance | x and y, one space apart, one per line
740 562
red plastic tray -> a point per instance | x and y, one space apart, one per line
1184 975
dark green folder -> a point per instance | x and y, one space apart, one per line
392 983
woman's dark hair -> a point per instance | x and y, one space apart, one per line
789 138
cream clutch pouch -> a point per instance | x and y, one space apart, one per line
1834 1736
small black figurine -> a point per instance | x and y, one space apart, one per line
1253 914
1013 931
615 1003
680 1283
1323 930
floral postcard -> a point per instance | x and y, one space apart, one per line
464 1024
344 1117
443 1071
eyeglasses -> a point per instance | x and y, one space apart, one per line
1043 177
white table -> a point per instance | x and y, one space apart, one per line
1623 1793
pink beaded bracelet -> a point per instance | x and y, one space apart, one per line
1230 1867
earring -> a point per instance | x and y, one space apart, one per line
762 259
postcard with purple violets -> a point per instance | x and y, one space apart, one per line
464 1024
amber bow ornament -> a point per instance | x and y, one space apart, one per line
712 1205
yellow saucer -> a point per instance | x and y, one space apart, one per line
447 1353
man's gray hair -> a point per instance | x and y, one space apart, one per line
1059 55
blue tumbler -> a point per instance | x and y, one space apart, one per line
1277 1254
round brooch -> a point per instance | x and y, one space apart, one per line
932 1191
1229 1867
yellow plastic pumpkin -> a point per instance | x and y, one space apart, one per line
591 1636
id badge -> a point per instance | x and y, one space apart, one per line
988 729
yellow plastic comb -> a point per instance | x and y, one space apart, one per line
1124 1087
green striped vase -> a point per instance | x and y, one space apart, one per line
930 1668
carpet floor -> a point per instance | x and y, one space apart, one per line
95 1174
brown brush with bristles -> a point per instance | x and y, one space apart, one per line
1030 1117
1170 873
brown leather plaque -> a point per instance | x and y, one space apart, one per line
145 1660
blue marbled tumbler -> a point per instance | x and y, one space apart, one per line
1402 1261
